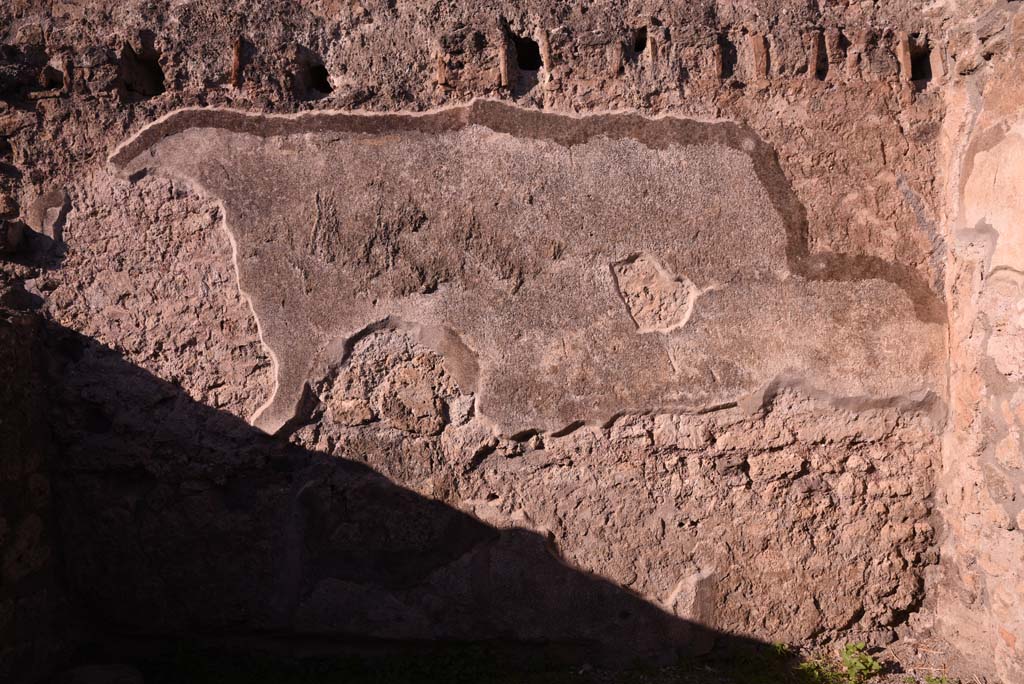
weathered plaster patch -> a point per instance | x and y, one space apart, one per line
490 230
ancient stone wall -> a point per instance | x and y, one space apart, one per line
619 326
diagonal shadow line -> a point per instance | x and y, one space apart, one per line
180 521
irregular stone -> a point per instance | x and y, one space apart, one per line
46 214
680 432
406 400
350 412
775 465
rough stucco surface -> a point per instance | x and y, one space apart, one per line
614 394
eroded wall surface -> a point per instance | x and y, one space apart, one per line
981 595
697 413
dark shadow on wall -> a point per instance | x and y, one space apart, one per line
181 522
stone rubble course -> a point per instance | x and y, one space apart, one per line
627 328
